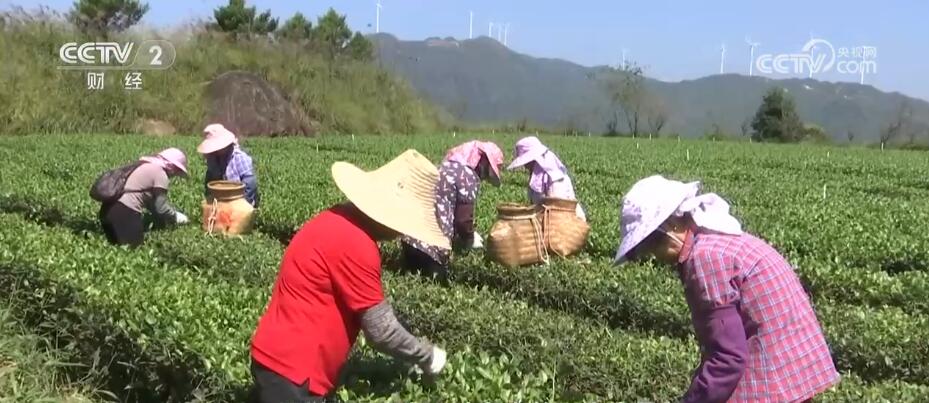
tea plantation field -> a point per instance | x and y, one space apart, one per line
172 320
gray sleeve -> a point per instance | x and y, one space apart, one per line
388 336
161 207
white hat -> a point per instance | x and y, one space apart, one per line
216 137
653 200
646 206
527 149
399 195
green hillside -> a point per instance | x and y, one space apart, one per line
340 96
481 81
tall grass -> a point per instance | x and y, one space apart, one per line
341 96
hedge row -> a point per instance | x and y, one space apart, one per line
865 340
779 199
423 309
643 300
588 356
165 330
430 309
170 334
827 281
862 338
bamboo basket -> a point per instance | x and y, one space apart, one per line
517 238
564 233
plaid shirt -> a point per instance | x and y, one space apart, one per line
237 168
787 356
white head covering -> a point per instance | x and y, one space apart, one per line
653 200
216 137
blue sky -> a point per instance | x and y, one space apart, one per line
674 40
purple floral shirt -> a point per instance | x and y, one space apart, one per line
457 184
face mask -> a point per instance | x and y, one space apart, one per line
673 238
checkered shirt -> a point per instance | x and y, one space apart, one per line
238 166
789 359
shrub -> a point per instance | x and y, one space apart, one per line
103 17
238 19
341 96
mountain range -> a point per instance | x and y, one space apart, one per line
482 82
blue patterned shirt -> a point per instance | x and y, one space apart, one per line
238 167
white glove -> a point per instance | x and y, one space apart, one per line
439 358
478 242
180 218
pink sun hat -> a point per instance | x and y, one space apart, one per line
216 137
494 155
170 156
470 154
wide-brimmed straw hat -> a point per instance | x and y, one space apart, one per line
399 195
216 137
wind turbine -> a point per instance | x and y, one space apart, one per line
506 29
624 58
499 32
471 25
751 60
861 64
811 54
861 70
722 58
490 30
377 26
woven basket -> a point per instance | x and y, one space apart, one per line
565 233
225 209
226 190
516 239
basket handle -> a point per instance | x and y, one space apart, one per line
546 210
212 220
539 232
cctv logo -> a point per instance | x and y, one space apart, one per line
153 54
95 53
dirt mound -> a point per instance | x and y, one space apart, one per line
249 105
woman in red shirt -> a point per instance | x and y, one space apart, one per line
329 284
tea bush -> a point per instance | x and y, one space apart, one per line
576 329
